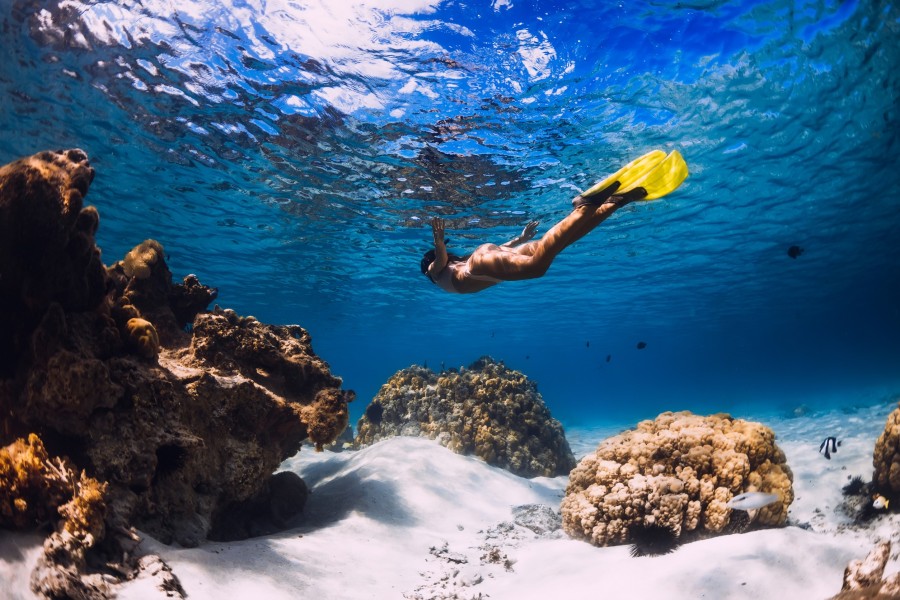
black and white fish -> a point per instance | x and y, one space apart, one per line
829 442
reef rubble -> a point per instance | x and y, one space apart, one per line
486 410
865 579
172 416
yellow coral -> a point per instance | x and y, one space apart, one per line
34 487
139 261
85 513
30 486
142 337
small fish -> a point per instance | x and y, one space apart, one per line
833 445
880 503
795 251
751 500
641 345
608 357
587 344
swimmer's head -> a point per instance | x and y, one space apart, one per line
427 259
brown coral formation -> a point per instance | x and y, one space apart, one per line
143 290
886 478
183 413
487 410
864 579
47 251
677 471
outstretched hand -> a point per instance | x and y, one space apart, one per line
529 231
437 228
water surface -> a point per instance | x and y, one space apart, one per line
291 154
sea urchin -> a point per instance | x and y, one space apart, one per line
653 540
856 487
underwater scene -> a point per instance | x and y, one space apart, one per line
292 155
215 226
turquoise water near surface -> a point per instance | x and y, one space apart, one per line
292 153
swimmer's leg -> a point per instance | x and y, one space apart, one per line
531 260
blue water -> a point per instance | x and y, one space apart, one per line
290 153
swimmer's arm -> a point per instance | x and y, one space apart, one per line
527 234
440 248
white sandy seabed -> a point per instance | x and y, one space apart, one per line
406 518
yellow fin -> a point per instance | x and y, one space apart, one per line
662 179
628 174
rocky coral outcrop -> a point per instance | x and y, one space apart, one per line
486 410
47 251
864 579
886 477
678 471
182 414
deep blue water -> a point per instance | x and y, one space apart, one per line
290 153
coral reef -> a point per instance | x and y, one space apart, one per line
487 410
886 478
864 579
182 413
678 472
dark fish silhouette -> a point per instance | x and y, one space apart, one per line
608 357
795 251
641 345
826 448
587 344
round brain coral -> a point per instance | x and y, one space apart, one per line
678 471
139 261
142 337
486 409
887 458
